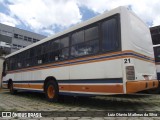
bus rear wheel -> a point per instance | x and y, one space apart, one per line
12 91
51 91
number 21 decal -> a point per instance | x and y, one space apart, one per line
127 60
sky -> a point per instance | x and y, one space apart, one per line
48 17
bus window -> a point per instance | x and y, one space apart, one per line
89 43
109 35
64 53
55 45
77 37
157 53
64 42
91 33
85 48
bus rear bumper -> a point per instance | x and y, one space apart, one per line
136 86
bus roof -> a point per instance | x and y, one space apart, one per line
83 24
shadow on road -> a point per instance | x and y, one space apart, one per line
110 102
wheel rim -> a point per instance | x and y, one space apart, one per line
51 91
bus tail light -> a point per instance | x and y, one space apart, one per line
130 73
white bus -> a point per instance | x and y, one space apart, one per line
108 54
157 59
155 33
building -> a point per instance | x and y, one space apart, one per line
13 39
155 33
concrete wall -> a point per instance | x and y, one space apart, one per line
1 68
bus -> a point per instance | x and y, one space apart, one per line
157 59
111 53
155 33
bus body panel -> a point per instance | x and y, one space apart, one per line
97 70
89 71
136 37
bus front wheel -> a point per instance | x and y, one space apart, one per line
51 91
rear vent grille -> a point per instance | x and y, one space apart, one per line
130 73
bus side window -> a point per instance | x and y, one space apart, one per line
91 33
64 48
86 43
74 52
64 54
19 64
109 35
77 37
92 40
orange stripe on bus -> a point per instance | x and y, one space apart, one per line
28 86
93 88
136 86
126 51
80 88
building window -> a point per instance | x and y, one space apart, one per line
14 46
6 33
15 35
20 36
25 38
29 39
34 40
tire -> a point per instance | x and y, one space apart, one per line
12 91
51 91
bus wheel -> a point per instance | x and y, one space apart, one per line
51 91
12 91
